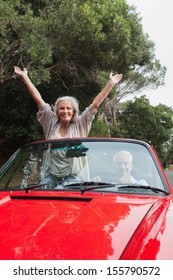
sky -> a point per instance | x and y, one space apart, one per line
157 22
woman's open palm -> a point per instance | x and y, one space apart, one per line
20 72
115 79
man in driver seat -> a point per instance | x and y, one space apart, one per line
123 164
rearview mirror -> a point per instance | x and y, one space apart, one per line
76 151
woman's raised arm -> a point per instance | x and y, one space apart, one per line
113 80
23 74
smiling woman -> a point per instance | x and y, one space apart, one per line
65 121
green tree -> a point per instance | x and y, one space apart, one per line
99 128
168 155
69 49
77 41
153 124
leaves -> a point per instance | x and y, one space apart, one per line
70 49
90 35
143 121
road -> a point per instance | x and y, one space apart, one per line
170 177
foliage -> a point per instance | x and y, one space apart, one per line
99 128
168 155
17 115
74 42
140 120
70 50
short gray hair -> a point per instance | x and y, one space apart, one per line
126 153
73 101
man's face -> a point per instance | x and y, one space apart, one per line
123 165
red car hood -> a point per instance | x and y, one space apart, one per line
59 225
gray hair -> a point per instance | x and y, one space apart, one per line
73 101
126 153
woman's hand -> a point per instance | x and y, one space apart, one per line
21 73
115 79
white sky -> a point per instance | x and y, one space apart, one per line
157 21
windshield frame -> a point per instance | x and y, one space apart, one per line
77 141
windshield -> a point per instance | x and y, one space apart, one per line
59 163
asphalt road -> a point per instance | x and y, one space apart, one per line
170 177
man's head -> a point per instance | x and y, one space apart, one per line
123 163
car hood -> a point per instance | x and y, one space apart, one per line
61 226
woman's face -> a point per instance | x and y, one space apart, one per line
65 111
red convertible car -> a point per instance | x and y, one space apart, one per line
85 199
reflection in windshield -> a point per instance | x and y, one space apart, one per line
63 162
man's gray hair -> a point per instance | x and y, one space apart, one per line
126 153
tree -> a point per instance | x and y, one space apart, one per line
24 40
76 42
168 155
138 119
70 50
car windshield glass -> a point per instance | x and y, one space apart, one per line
59 163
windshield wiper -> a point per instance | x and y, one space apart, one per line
89 186
37 186
84 186
134 186
70 185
